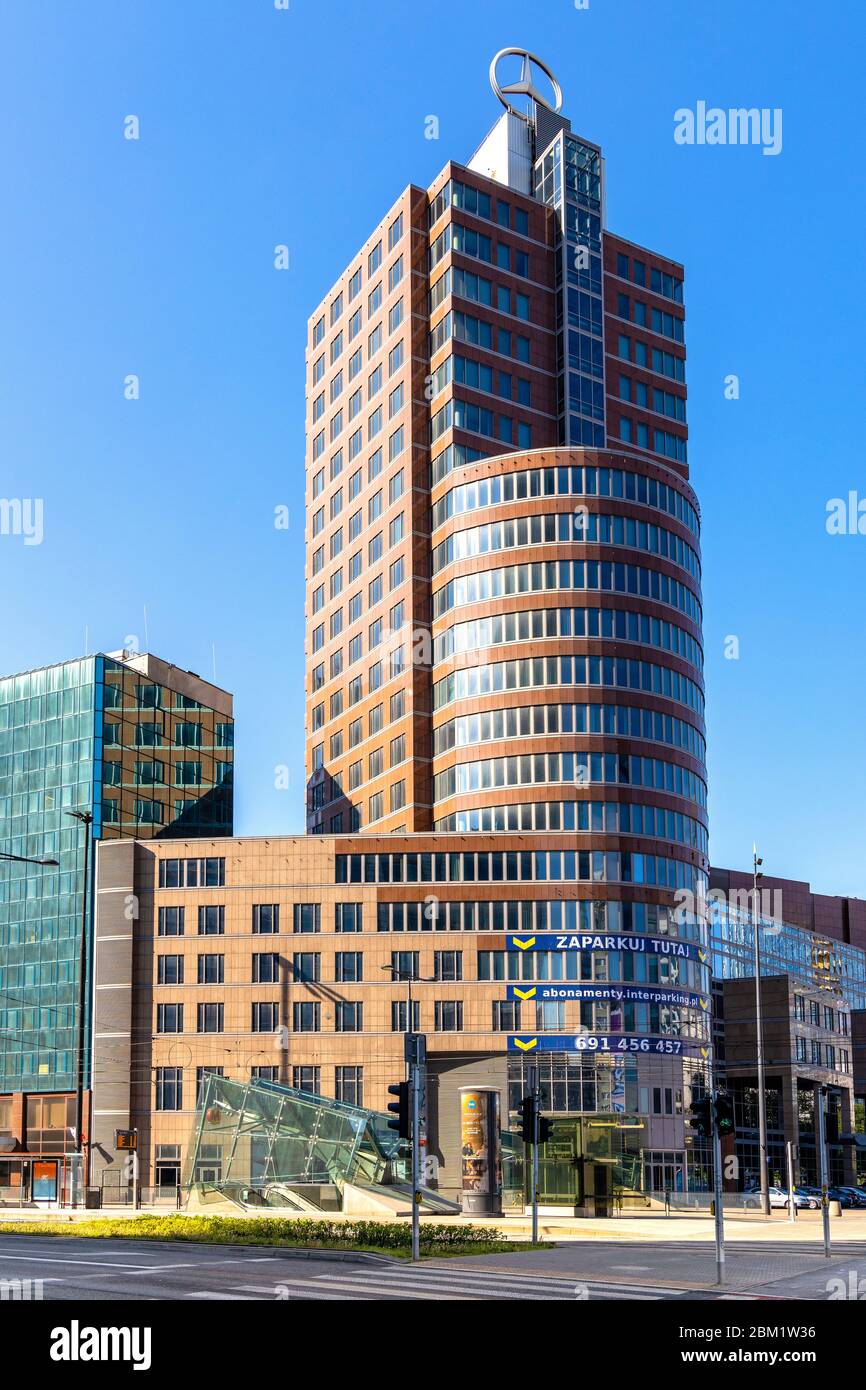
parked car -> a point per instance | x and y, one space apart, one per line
857 1193
778 1198
812 1196
844 1196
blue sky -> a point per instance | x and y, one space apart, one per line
261 126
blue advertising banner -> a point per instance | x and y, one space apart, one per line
613 1044
609 994
609 941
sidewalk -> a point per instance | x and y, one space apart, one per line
644 1229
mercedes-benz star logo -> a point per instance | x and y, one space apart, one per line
525 87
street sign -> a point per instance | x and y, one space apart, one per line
610 1044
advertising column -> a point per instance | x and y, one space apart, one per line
481 1152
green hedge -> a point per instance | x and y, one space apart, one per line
379 1235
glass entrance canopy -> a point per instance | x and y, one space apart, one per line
252 1139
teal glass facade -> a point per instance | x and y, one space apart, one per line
93 735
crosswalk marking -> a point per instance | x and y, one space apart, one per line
216 1294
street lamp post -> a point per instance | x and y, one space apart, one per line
86 819
759 1039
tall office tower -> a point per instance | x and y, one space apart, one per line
503 597
146 750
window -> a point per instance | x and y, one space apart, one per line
349 967
170 921
266 919
395 358
169 970
347 917
169 1088
398 749
307 917
349 1085
211 921
400 1014
395 231
448 1016
211 969
349 1016
395 274
307 1079
398 795
395 316
210 1018
169 1018
374 260
266 968
355 284
448 965
305 1016
506 1016
201 1076
265 1018
307 967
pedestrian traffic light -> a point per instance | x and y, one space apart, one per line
701 1117
400 1109
527 1120
723 1111
545 1129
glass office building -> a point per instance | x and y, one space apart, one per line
146 750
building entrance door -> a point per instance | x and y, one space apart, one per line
559 1167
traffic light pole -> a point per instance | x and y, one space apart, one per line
415 1092
822 1164
717 1185
536 1108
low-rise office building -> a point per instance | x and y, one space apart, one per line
304 960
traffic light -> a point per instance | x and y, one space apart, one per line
527 1123
401 1110
723 1110
527 1120
701 1117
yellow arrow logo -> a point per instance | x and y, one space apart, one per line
702 955
704 1004
525 993
524 945
526 1046
705 1052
